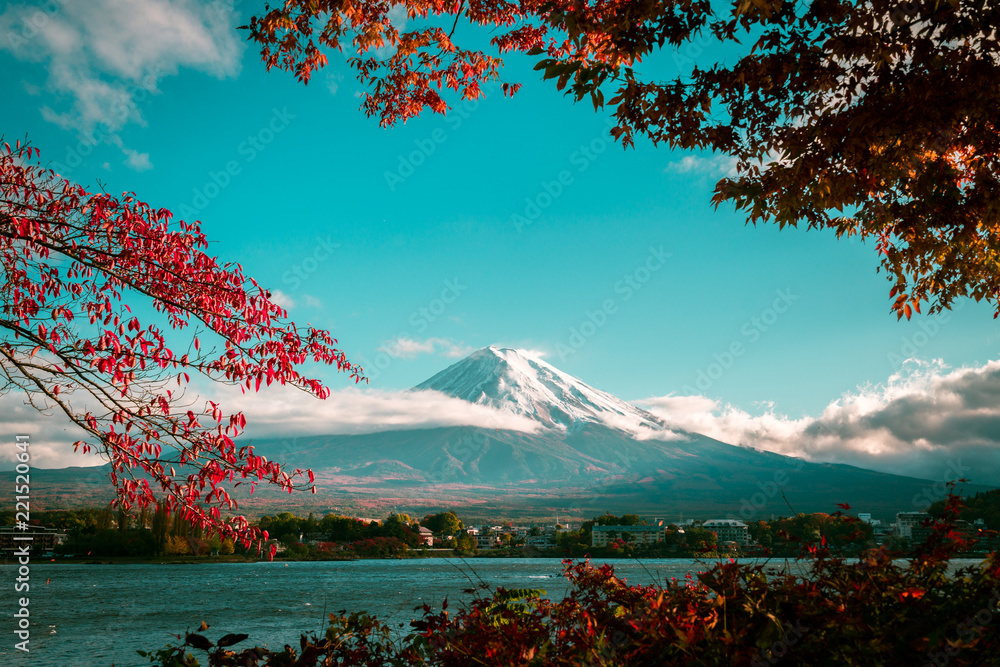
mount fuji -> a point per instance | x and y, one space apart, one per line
514 382
592 452
586 452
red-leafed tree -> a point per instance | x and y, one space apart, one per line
877 119
72 261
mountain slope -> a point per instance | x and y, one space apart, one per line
589 471
593 453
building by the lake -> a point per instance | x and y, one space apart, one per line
729 530
601 536
42 540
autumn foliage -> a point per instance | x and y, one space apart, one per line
825 610
73 261
875 119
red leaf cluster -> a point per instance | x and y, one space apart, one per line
71 260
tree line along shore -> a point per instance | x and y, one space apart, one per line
96 534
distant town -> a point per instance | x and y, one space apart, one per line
102 533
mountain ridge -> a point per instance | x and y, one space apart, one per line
593 453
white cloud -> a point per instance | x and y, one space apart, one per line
716 165
280 411
311 301
333 81
137 161
398 17
51 435
280 298
456 350
106 56
408 348
641 431
925 421
274 411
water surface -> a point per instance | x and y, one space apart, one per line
100 614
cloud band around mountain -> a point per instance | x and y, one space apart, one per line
926 421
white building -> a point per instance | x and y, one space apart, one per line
540 541
605 535
487 541
728 530
905 521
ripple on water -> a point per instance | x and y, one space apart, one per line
111 611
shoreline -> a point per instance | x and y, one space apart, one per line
221 560
201 560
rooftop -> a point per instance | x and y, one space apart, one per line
725 522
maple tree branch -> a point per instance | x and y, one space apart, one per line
67 253
457 15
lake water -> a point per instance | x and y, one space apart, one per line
96 615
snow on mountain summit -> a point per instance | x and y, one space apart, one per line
517 382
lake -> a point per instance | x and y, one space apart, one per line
100 614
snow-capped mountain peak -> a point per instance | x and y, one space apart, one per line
517 382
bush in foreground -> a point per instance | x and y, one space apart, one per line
875 610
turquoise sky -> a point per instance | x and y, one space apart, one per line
419 232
